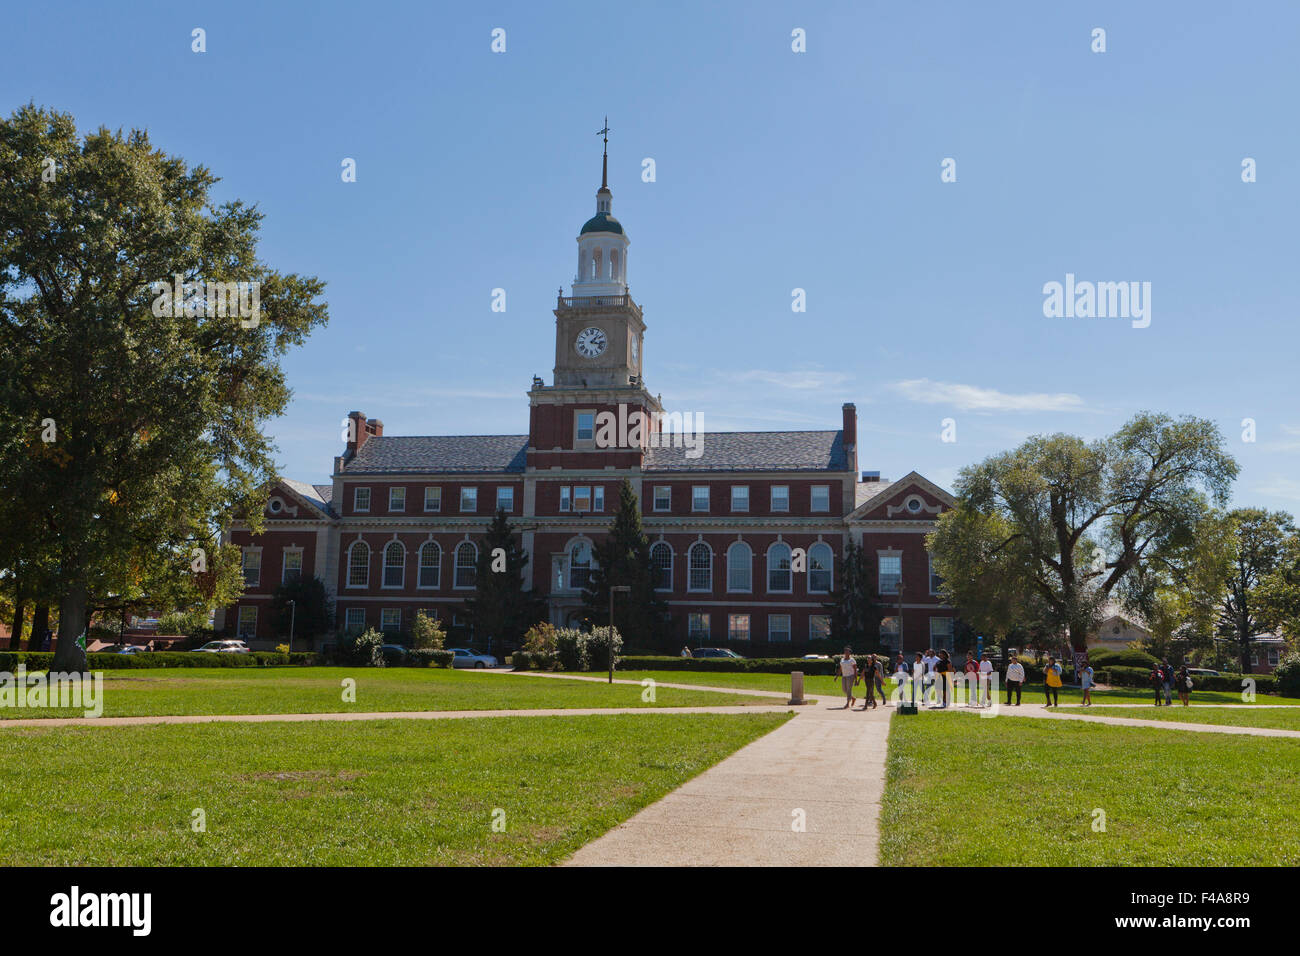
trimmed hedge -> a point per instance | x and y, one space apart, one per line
429 657
41 660
1102 658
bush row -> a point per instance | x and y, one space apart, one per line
567 649
41 660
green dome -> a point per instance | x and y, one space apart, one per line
601 222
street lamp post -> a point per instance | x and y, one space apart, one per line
293 613
625 589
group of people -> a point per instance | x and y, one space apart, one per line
933 668
1164 678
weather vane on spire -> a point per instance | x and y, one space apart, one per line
604 159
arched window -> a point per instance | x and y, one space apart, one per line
740 567
430 564
394 564
466 564
820 565
778 568
701 568
595 265
661 559
359 565
580 565
613 264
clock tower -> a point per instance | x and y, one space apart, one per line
599 332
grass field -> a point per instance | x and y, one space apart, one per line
189 691
384 792
962 791
1283 718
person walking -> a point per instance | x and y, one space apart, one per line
972 671
1154 680
1183 680
1052 682
1167 680
864 675
942 668
878 675
929 660
1085 681
848 676
986 681
903 678
1015 678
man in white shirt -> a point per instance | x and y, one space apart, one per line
1015 678
929 660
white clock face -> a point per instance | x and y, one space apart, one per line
591 342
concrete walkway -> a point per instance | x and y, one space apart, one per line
743 691
378 715
827 763
1039 711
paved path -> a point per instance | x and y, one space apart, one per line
1039 711
744 691
828 763
378 715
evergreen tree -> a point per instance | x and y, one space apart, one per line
855 614
311 614
623 559
502 610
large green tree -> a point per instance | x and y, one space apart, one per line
502 608
301 609
854 611
1252 597
1055 526
623 559
133 416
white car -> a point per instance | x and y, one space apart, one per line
223 647
467 658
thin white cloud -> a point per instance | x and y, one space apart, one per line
973 398
1280 487
798 379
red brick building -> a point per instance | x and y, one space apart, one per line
747 529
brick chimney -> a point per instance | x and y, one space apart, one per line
851 436
361 429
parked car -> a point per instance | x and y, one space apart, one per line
394 654
131 649
715 652
223 647
464 657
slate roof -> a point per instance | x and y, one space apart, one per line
755 451
440 453
318 495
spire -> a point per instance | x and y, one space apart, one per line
604 159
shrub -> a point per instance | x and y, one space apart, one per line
540 639
362 650
282 648
598 647
1105 657
1287 675
183 622
571 651
427 633
429 657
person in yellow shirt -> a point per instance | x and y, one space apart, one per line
1052 682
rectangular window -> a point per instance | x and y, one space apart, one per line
778 628
433 498
935 580
252 564
663 497
891 573
469 500
355 620
586 426
361 499
505 499
565 500
698 627
819 627
941 633
1273 657
699 497
581 498
598 498
292 566
737 627
396 499
390 619
821 497
890 635
780 497
247 622
740 497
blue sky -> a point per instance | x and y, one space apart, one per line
775 170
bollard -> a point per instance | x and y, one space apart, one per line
796 687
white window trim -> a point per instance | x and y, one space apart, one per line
347 613
789 629
356 505
668 505
402 489
284 563
437 499
383 567
708 499
830 568
419 559
692 547
455 565
510 490
750 589
749 627
772 499
348 575
566 499
880 576
708 625
789 570
584 442
463 509
385 610
734 509
239 620
812 500
671 557
243 569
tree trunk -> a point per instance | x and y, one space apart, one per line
40 624
20 613
70 657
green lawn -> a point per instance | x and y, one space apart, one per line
285 690
965 791
772 682
386 792
1284 718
